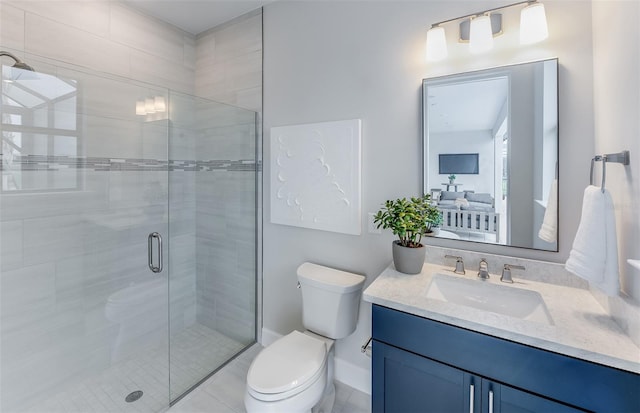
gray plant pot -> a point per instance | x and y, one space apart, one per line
408 260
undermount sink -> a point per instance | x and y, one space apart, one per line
486 296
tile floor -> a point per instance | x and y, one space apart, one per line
224 392
194 351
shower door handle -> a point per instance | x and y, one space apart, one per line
158 238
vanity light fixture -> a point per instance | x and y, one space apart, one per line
436 44
533 24
480 35
149 106
479 29
140 108
159 104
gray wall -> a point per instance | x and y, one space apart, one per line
476 141
616 54
521 160
340 60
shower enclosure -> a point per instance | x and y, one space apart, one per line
128 240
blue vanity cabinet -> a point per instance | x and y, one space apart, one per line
412 383
506 399
421 365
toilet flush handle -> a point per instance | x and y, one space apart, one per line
298 286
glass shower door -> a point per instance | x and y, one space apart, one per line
83 288
212 209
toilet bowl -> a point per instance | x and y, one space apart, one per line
290 375
295 373
135 299
140 310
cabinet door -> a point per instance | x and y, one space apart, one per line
498 398
404 382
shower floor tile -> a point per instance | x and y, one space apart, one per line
193 353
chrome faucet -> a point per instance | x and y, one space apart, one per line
506 272
483 269
459 264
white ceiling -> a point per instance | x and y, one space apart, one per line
196 16
466 106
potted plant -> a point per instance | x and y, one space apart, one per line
452 179
434 219
409 220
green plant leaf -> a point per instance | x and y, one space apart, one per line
408 219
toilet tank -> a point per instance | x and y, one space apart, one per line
330 299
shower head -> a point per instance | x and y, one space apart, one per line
19 64
23 66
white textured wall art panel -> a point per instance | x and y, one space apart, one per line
315 176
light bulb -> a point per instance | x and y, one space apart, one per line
436 44
159 104
149 105
480 34
533 24
140 108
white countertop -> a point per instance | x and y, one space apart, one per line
582 329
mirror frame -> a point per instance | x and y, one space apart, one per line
496 71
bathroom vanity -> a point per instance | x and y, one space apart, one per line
549 348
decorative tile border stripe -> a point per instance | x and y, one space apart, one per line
56 163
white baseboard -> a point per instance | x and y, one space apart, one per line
345 372
353 376
269 337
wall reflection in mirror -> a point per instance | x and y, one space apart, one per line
491 154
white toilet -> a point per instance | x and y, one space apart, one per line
295 373
141 311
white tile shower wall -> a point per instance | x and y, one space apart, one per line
92 17
225 213
12 27
97 235
54 325
105 36
229 62
65 254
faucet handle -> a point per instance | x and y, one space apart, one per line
506 272
459 264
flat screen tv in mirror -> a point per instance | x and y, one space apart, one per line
458 163
497 130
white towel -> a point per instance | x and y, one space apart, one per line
594 255
549 228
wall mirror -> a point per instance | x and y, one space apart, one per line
491 154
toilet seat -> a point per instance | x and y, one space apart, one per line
287 367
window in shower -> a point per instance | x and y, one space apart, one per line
40 132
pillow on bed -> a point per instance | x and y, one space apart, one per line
451 196
478 206
483 198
